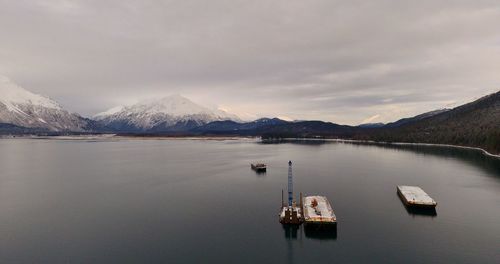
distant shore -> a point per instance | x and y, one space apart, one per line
156 137
212 137
397 143
118 136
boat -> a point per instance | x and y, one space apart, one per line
318 211
258 167
414 196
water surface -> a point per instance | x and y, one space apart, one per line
197 201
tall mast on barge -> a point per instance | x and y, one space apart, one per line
290 212
290 184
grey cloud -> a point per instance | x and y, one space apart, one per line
341 61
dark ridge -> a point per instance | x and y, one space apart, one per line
409 120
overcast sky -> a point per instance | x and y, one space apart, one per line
341 61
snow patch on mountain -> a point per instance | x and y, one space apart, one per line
11 94
109 112
167 113
26 109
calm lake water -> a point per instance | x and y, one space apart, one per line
197 201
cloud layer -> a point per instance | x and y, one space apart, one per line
341 61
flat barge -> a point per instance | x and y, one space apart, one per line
259 167
318 211
414 196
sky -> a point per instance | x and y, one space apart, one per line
347 62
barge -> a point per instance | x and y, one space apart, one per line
290 213
318 211
414 196
259 167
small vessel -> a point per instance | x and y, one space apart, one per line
414 196
318 211
258 167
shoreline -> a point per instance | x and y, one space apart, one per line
484 152
128 137
138 137
185 138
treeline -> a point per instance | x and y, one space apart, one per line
476 124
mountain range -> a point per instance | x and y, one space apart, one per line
474 124
34 112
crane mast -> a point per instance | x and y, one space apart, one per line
290 184
290 214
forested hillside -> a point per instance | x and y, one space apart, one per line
475 124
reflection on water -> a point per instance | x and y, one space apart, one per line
187 201
291 231
419 211
471 156
308 142
260 173
321 232
426 212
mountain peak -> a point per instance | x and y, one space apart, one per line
168 98
13 94
108 112
23 108
174 105
165 112
175 96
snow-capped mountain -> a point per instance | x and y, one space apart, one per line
171 113
26 109
107 113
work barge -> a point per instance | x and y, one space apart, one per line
318 216
259 167
290 213
311 211
318 211
413 196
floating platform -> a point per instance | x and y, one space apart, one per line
259 167
318 211
291 215
415 197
